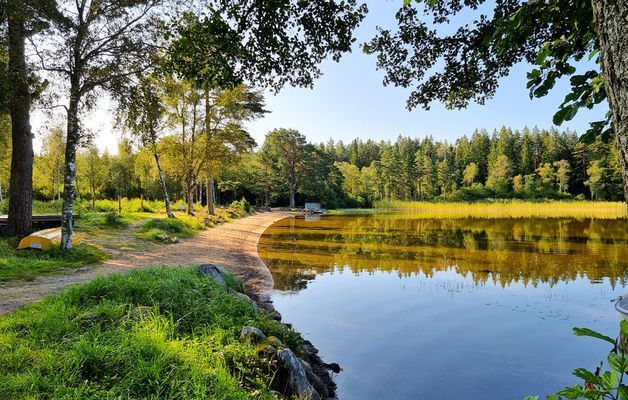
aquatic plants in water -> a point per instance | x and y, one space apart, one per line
509 209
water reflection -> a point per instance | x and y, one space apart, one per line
431 309
500 251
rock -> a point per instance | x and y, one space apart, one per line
273 341
334 367
163 237
139 312
252 334
297 377
86 319
248 299
275 315
212 271
315 381
174 240
82 269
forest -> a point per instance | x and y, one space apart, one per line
506 163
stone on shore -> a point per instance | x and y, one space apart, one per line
212 271
297 377
249 300
252 334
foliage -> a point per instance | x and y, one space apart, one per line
599 384
109 220
466 65
30 263
268 44
239 208
290 156
157 333
165 229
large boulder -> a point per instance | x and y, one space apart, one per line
212 271
297 377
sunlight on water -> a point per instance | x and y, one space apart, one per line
434 309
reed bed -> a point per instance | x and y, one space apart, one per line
510 209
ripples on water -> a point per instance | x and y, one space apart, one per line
433 309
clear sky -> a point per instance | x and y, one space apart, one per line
349 101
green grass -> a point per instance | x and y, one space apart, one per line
163 229
510 209
104 220
150 334
30 263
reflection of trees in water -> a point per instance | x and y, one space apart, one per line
500 251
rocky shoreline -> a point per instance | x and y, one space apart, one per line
311 378
306 377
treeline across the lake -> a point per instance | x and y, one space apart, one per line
506 163
528 163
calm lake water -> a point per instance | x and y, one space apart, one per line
429 309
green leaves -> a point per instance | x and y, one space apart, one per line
598 385
594 334
618 362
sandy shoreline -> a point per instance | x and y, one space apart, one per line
232 245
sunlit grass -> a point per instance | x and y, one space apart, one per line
510 209
30 263
150 334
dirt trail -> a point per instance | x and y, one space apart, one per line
232 245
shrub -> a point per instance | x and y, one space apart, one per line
239 208
164 229
109 219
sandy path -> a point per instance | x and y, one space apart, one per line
232 245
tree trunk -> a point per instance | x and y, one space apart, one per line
611 20
162 180
142 201
190 199
67 223
93 188
21 183
209 186
1 198
293 187
292 202
58 177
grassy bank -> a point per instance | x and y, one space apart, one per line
510 209
28 264
156 333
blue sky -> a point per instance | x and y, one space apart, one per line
349 101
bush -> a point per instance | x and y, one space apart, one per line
239 208
164 229
156 333
104 220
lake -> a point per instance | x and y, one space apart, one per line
415 308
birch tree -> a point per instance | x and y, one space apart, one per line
96 46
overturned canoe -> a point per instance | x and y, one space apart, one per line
45 239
